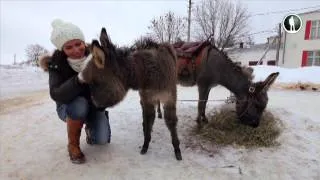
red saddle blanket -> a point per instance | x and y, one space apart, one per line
190 55
188 49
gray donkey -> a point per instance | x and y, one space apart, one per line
210 67
151 69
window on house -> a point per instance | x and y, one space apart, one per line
313 58
316 61
253 63
272 63
315 29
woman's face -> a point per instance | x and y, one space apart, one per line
74 49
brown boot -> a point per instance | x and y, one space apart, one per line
74 131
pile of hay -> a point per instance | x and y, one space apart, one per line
224 129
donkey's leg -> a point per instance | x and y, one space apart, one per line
148 113
203 98
159 109
171 119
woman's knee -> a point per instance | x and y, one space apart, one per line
78 109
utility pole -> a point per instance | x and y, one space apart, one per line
189 20
279 44
14 59
260 62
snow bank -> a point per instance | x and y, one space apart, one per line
296 75
17 79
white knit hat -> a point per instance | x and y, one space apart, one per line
63 32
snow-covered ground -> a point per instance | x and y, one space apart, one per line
16 80
33 140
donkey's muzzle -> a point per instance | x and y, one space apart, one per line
250 122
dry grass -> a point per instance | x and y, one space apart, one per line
224 129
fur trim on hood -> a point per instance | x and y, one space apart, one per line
44 61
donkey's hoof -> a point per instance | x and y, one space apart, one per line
200 125
201 121
143 150
178 155
204 120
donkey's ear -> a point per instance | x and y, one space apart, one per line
269 81
249 69
94 43
104 38
98 55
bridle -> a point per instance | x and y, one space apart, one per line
252 89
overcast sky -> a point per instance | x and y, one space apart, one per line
28 22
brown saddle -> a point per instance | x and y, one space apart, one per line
189 49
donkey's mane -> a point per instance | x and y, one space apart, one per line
145 43
237 67
121 57
225 55
123 51
121 54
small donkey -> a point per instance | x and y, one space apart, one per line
152 70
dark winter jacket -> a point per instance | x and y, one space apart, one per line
63 82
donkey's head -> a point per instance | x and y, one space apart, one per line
100 73
250 107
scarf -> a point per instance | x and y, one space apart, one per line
79 64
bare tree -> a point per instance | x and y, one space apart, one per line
223 19
250 40
168 28
33 51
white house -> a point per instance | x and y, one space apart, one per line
296 50
303 48
251 55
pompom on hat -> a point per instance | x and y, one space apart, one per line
63 32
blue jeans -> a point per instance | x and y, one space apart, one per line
96 121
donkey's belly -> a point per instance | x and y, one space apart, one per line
154 96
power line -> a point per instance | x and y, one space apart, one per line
256 33
272 12
278 12
284 11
